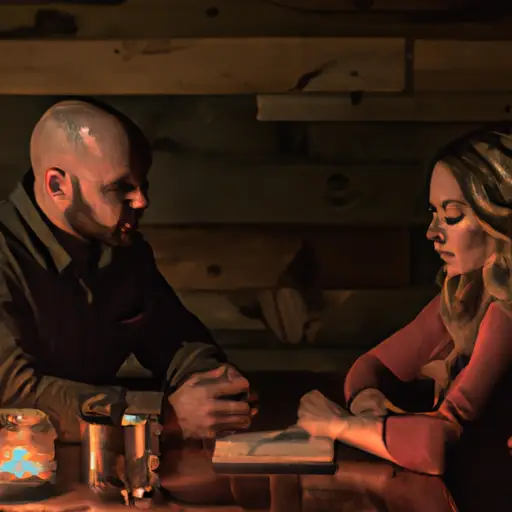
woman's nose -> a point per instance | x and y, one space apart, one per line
434 234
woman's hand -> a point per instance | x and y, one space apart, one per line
320 416
369 402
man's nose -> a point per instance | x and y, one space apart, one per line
138 200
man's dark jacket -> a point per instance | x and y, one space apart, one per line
67 325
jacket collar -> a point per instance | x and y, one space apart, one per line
23 201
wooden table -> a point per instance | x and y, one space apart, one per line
361 484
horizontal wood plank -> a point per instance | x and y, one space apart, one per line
205 191
241 257
201 66
375 5
462 66
331 5
248 18
366 317
352 143
420 108
222 258
349 318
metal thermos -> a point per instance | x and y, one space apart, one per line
119 461
100 457
139 461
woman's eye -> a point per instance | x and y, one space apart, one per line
453 220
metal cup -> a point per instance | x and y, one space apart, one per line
140 462
101 454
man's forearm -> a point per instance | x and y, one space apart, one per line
193 358
64 401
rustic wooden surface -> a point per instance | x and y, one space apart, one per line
201 191
414 108
199 18
390 143
234 257
462 66
201 65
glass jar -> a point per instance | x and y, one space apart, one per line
27 451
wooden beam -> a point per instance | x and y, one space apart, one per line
333 6
208 191
347 317
462 66
316 5
420 108
233 18
201 66
222 258
249 257
351 143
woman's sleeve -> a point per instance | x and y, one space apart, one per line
418 442
403 354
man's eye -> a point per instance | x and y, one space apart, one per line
123 188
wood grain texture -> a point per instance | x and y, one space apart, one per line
200 18
358 143
347 318
253 257
418 108
201 65
209 191
462 66
376 5
222 258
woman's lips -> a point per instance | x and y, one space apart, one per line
445 255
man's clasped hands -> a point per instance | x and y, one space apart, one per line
219 401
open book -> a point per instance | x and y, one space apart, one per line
279 451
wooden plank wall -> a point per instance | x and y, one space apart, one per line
290 142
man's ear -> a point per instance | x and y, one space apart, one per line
57 184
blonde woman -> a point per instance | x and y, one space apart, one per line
462 340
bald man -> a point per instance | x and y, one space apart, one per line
80 290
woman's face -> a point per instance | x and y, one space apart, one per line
455 231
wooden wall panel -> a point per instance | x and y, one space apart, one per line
362 257
462 66
436 107
201 66
201 18
222 258
350 143
241 257
376 5
366 317
350 318
202 191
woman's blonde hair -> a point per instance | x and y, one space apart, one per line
481 162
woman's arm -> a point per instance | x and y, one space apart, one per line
418 442
400 357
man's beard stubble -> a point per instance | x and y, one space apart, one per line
80 217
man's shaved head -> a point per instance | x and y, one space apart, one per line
72 134
90 167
